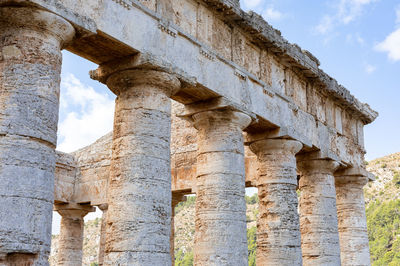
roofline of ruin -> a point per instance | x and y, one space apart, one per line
292 55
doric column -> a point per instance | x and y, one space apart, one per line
278 226
102 244
70 242
176 199
353 235
30 63
318 215
139 190
220 237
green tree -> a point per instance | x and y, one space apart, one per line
383 220
252 245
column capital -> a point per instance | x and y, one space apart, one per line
321 166
217 109
134 71
103 207
355 175
274 146
73 210
221 116
37 20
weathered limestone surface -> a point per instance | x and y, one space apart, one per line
102 244
353 235
93 164
318 215
220 237
30 63
65 177
71 233
139 189
278 225
200 53
220 50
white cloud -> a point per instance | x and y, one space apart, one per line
355 39
269 12
391 45
89 114
251 3
349 10
369 68
272 14
326 25
346 11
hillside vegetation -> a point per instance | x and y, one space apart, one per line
383 210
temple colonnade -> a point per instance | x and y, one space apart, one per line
329 228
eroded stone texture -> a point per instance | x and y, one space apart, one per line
102 244
71 234
318 216
278 226
139 190
220 237
352 222
30 65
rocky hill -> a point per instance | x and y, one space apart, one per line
387 184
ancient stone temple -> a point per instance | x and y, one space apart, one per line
210 100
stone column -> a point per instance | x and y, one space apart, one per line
278 226
102 244
318 215
30 63
70 242
220 237
353 235
139 190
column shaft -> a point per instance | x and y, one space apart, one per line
278 226
30 64
102 243
353 234
70 244
318 215
220 237
139 191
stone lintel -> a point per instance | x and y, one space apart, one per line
73 207
177 198
219 103
318 155
138 61
83 23
278 133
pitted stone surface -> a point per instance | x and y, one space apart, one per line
278 225
220 237
352 221
71 235
139 190
30 65
318 215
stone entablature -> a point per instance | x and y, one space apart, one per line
277 82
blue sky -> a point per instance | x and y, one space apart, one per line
357 42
